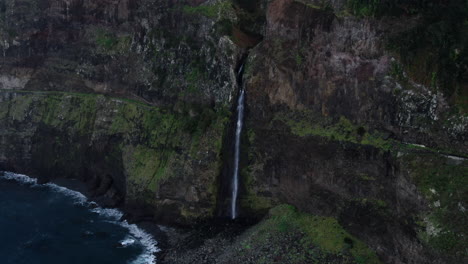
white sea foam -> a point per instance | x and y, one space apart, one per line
127 242
147 241
19 178
112 215
77 197
109 213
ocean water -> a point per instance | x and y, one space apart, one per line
49 224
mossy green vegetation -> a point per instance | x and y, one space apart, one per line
145 168
258 204
150 144
314 239
305 123
19 113
109 42
61 110
105 40
444 182
193 79
70 110
162 135
366 8
218 9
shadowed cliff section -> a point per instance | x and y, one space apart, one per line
228 152
328 119
169 71
152 161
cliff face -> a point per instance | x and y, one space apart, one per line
151 160
68 70
136 49
326 126
134 98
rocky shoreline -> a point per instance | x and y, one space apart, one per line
175 243
197 243
160 234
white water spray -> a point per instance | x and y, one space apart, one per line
240 118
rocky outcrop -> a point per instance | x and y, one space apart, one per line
157 52
68 70
149 160
327 119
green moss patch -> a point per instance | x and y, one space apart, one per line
73 112
109 42
145 168
149 143
20 111
162 136
294 237
445 185
308 124
219 8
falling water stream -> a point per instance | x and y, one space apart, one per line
240 117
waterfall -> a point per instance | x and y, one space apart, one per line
240 117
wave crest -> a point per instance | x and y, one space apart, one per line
110 214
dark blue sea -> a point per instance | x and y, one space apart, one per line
50 224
